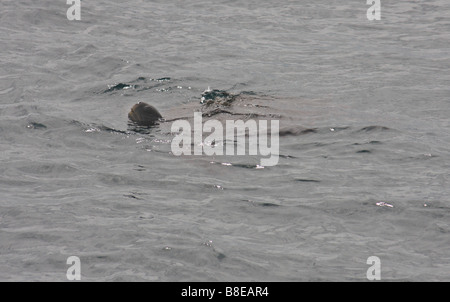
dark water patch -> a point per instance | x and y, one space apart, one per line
287 156
139 84
306 180
37 126
132 196
245 166
120 86
217 97
261 204
296 131
373 129
136 195
267 204
364 151
140 168
214 94
219 255
111 130
371 143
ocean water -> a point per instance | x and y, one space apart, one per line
372 180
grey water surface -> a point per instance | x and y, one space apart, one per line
373 180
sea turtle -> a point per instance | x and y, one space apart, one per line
222 105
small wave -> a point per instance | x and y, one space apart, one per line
136 84
295 131
216 96
120 86
262 204
307 180
373 129
238 165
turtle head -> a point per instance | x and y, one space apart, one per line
144 114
